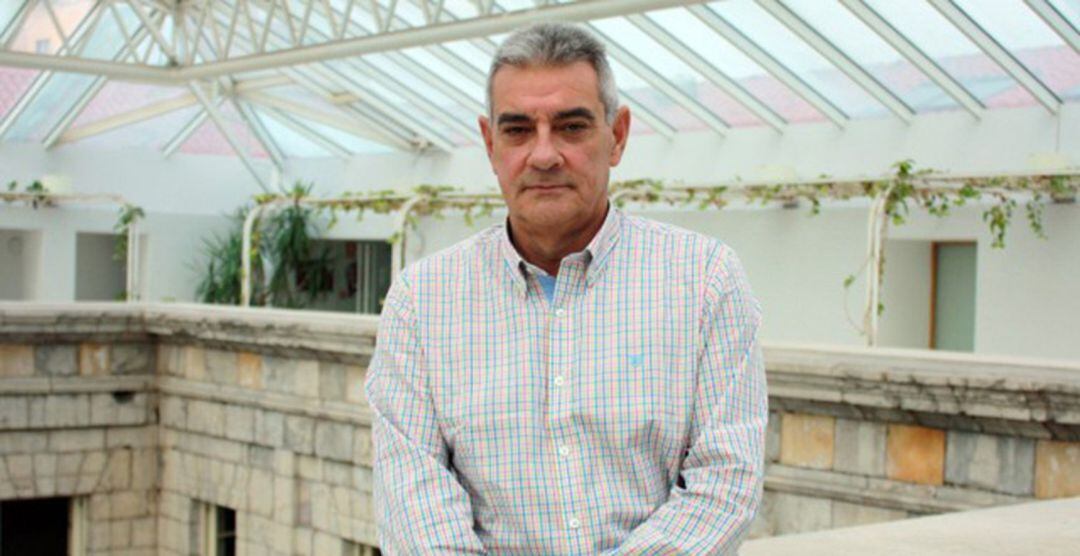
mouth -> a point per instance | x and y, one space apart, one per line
547 186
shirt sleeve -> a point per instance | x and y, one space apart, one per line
724 467
420 506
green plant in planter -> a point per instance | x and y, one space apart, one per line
288 269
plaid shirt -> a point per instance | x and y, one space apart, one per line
627 416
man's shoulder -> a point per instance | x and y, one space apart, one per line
677 242
455 258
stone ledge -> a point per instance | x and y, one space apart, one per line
343 412
75 385
334 336
879 492
1025 397
1044 528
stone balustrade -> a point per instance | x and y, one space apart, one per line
146 411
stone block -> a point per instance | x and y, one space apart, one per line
249 370
56 360
173 412
14 412
326 544
850 515
355 375
269 427
915 454
334 440
284 494
69 464
807 440
128 505
772 437
194 359
130 437
260 457
67 410
337 473
362 447
860 447
221 366
363 480
119 534
300 434
793 513
332 381
78 440
133 359
307 378
118 471
93 359
261 492
1057 469
239 423
991 462
309 468
143 533
23 442
144 469
16 360
206 417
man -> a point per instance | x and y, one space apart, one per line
577 380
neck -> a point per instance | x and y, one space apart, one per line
546 247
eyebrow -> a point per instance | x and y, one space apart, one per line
515 118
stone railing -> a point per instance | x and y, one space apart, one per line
149 412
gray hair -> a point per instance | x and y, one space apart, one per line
557 44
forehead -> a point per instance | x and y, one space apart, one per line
545 89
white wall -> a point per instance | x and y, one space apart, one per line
1026 301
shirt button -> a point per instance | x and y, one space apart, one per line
560 312
564 450
573 523
559 380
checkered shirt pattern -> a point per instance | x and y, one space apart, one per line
627 416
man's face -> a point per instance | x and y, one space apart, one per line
550 146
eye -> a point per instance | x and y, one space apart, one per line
575 127
515 130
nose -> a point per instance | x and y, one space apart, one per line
544 154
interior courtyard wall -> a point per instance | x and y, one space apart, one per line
150 411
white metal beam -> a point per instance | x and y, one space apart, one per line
184 133
1057 22
155 31
706 69
114 70
835 56
387 133
80 35
15 25
306 132
770 64
223 127
998 54
444 32
130 117
90 92
251 118
661 83
915 55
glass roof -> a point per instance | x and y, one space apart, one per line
701 67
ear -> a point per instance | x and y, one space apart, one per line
621 129
487 133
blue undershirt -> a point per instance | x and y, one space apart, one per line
547 283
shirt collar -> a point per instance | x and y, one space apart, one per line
595 253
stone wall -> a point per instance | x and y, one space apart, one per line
149 411
863 436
